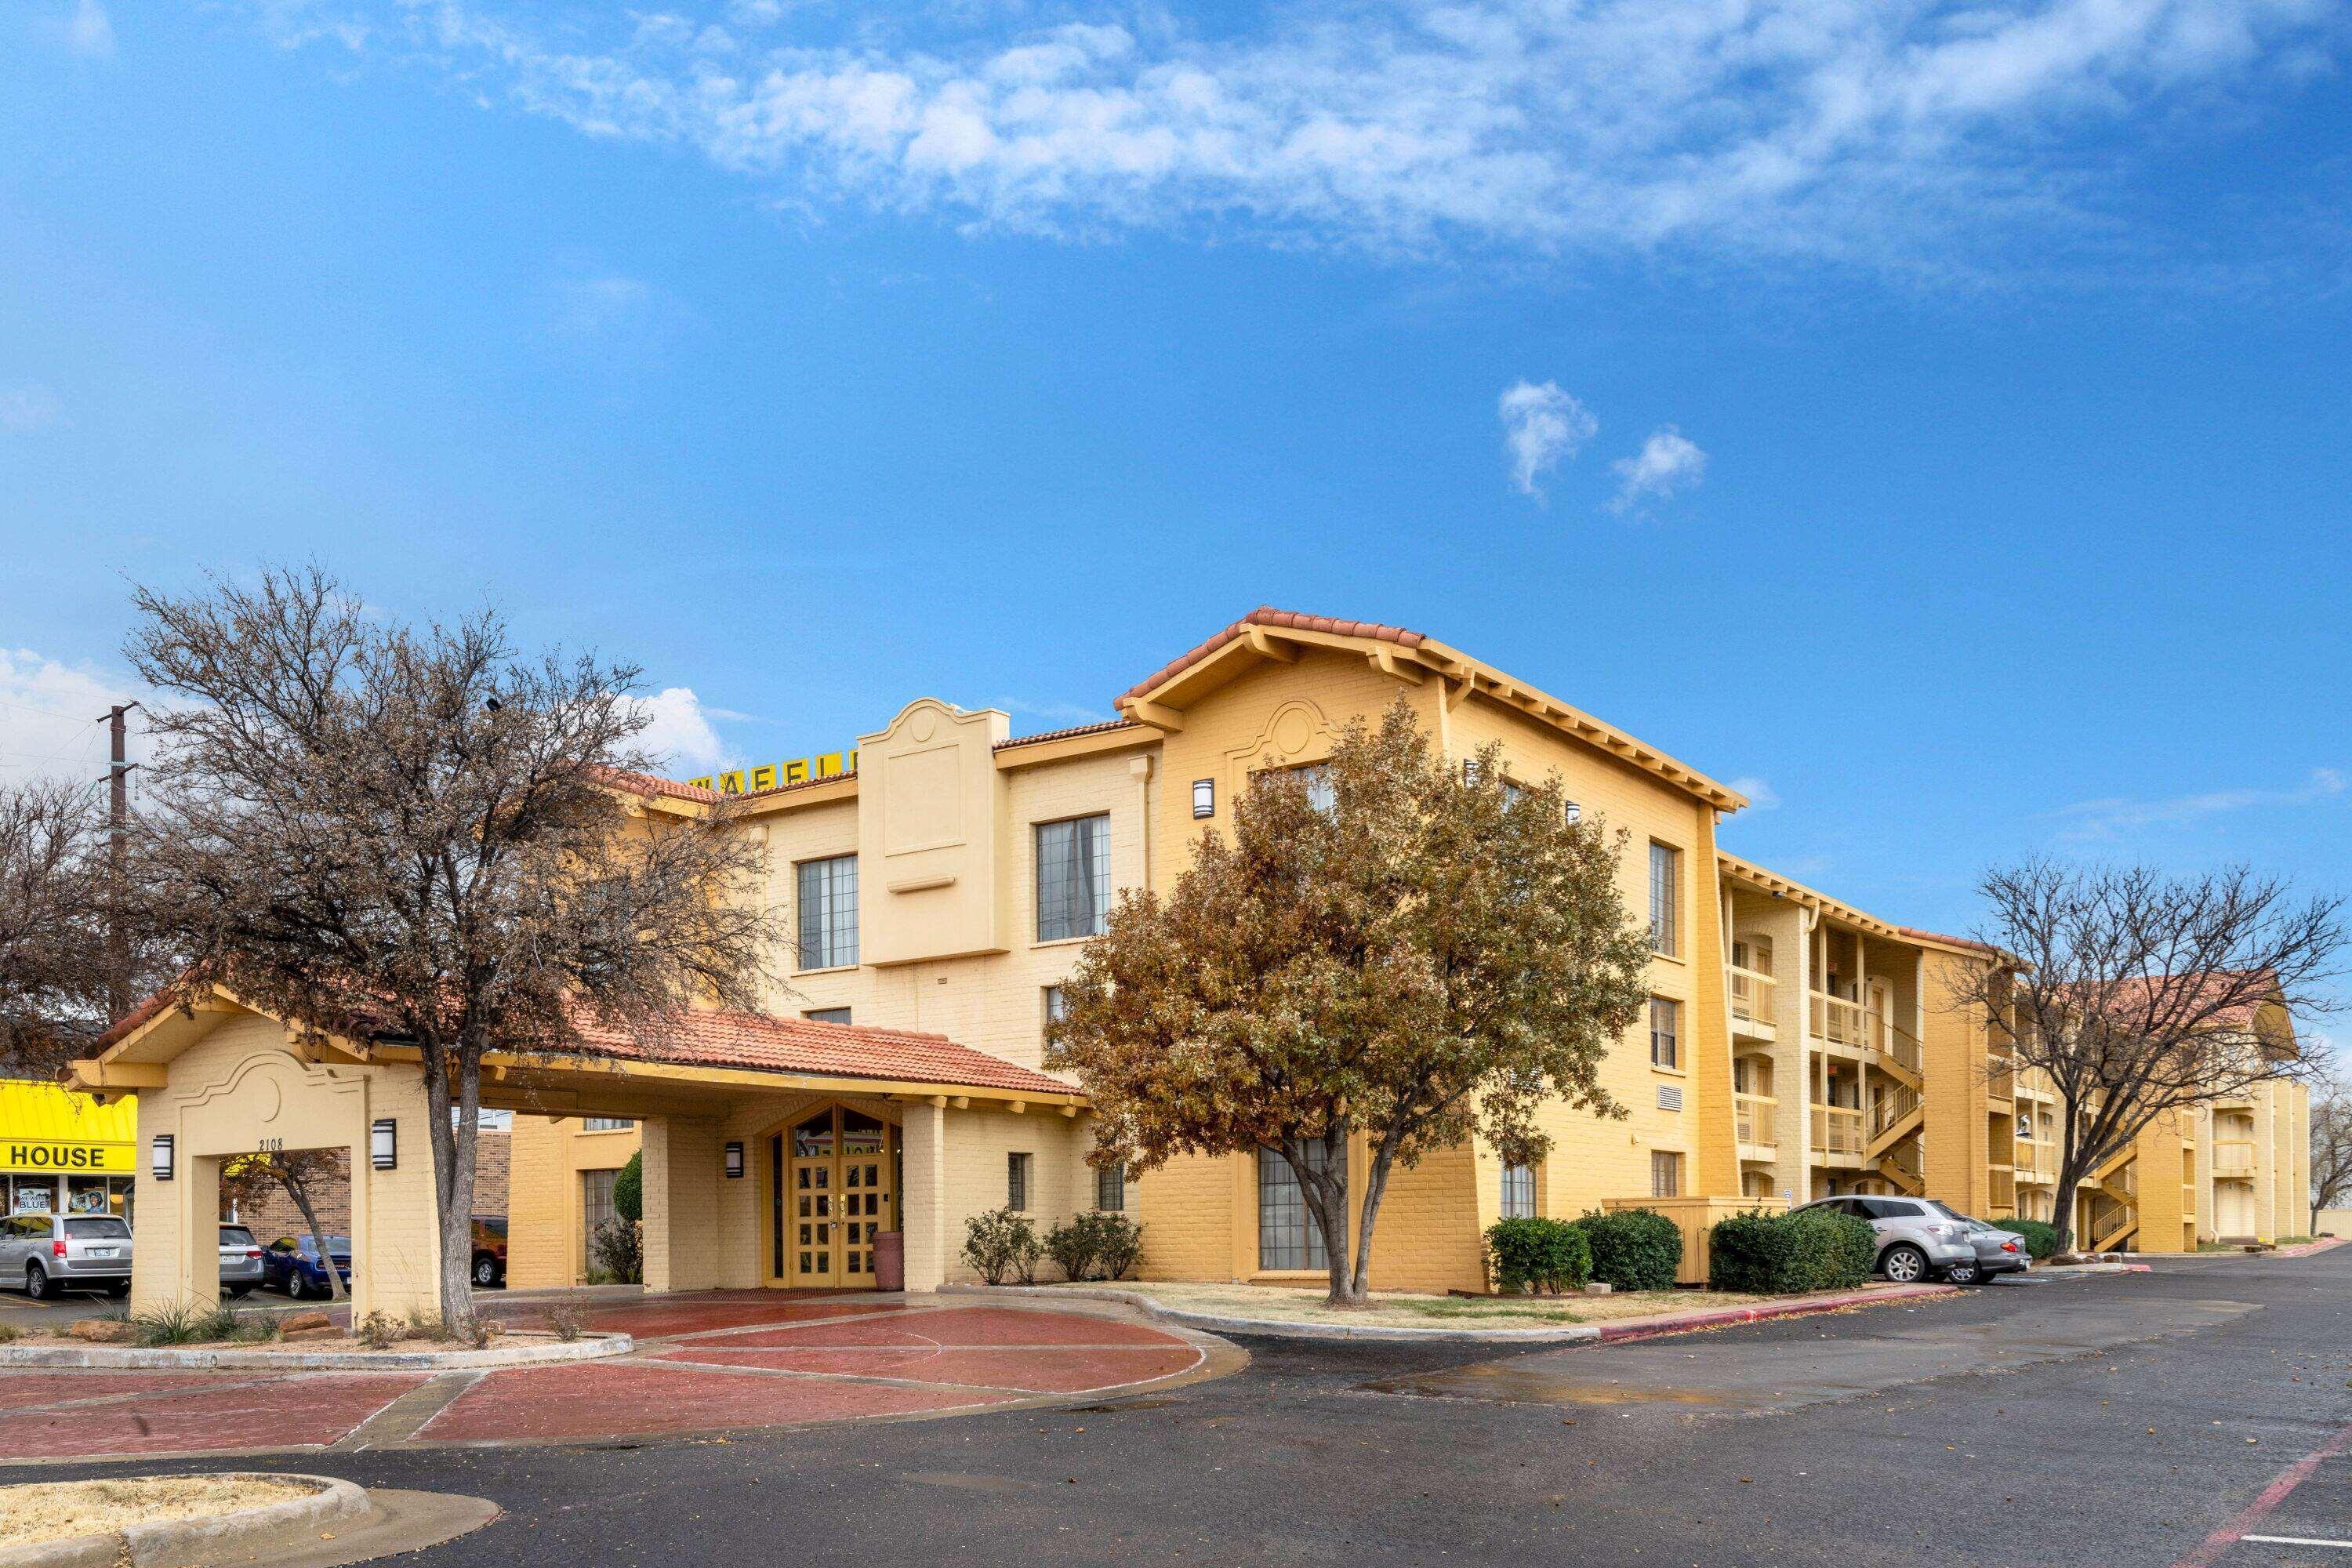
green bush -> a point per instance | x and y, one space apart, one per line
1000 1243
1546 1255
629 1189
618 1253
1093 1246
2041 1239
1122 1246
1788 1254
1633 1249
1072 1246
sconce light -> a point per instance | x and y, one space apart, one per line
1204 797
163 1156
734 1162
383 1145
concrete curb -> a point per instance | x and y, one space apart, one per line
2074 1270
185 1542
2325 1243
1566 1333
588 1347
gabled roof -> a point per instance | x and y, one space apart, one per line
1268 634
1754 876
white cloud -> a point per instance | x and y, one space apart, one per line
1873 129
2116 814
50 717
1761 796
1542 426
29 407
678 734
1668 462
89 31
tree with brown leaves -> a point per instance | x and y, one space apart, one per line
298 1172
2142 995
412 834
53 956
1391 945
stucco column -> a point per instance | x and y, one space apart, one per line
922 1206
2266 1164
195 1209
682 1205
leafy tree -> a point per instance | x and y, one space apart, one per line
2141 996
414 835
247 1180
1391 945
54 948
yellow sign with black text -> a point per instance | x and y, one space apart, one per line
46 1131
776 775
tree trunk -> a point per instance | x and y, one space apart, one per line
1376 1185
2070 1175
453 1133
301 1192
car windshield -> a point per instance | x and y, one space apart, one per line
1947 1210
108 1229
236 1235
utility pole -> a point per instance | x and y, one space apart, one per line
118 817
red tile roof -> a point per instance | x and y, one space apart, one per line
1267 615
646 783
757 1043
1924 934
1105 725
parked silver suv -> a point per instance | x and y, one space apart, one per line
1916 1236
46 1253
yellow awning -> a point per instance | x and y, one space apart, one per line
47 1130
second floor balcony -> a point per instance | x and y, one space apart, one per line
2233 1158
1751 1116
1838 1131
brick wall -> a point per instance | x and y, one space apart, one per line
276 1216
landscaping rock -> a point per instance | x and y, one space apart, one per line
1599 1288
316 1332
493 1329
295 1321
102 1331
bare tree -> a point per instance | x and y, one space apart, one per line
295 1172
2141 996
411 833
2331 1146
53 967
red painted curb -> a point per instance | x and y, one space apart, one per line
2308 1247
1643 1328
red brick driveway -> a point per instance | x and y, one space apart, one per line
720 1362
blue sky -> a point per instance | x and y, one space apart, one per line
1940 415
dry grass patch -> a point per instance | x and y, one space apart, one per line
1413 1310
60 1511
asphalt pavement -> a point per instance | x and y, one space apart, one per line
2192 1415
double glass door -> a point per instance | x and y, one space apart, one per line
835 1190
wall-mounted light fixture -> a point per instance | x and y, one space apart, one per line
163 1156
734 1162
1204 797
383 1145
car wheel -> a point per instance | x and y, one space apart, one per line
1964 1273
118 1288
486 1272
1905 1264
37 1282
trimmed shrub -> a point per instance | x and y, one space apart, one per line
1003 1242
1538 1256
617 1250
1788 1254
629 1189
2041 1239
1633 1249
1095 1245
1071 1246
1122 1246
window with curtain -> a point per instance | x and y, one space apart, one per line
827 1015
606 1125
1518 1191
1665 877
828 912
1055 1007
1666 1175
1665 1031
596 1198
1288 1233
1322 793
1111 1189
1073 877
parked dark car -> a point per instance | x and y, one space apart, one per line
489 1250
294 1265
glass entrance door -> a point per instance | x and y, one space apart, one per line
835 1194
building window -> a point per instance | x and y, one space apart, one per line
1518 1191
1016 1180
596 1200
1110 1188
606 1125
828 912
1321 792
1666 1175
1665 880
1056 1007
1289 1237
1073 877
1665 1031
827 1015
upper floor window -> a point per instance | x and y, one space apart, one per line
1665 882
828 912
1054 1004
1518 1191
1073 877
827 1015
1665 1031
606 1125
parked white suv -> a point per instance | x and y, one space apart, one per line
1915 1238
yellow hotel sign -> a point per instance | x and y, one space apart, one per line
45 1130
775 775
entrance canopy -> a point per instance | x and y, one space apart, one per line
217 1079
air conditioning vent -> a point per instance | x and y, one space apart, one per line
1670 1097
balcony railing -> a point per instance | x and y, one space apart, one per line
2000 1075
1837 1130
2036 1160
2233 1158
2001 1190
1751 995
1752 1114
1844 1023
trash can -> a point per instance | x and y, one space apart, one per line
890 1261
